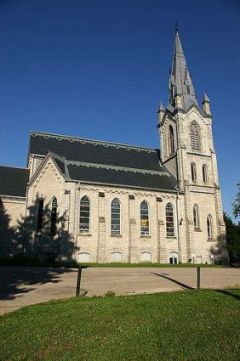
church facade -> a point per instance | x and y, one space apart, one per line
95 201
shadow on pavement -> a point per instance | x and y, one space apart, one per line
13 280
163 275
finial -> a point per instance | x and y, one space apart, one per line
205 98
161 108
206 104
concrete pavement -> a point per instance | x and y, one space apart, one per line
22 286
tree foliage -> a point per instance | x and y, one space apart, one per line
236 203
233 240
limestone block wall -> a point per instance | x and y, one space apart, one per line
12 213
34 162
100 246
201 248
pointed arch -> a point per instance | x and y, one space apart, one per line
205 173
209 227
40 215
171 140
115 217
144 218
53 228
195 136
196 219
84 220
193 172
170 229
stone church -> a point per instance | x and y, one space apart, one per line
122 203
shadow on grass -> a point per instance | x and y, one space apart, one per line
165 276
229 293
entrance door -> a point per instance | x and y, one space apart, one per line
173 258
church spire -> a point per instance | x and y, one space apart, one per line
181 90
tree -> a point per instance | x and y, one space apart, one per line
233 240
236 203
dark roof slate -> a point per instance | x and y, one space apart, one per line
82 150
13 181
121 177
104 163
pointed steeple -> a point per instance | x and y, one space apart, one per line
180 82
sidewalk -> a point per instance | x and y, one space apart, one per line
22 286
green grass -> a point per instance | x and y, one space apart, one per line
132 265
35 263
184 326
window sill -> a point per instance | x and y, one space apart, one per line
171 237
116 235
85 234
197 230
145 236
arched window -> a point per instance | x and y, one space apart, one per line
196 217
169 220
40 215
204 173
115 217
209 227
171 140
84 215
193 172
54 217
195 136
144 218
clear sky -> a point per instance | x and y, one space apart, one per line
99 68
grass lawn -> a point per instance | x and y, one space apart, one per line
183 326
35 263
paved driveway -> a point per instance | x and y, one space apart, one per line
22 286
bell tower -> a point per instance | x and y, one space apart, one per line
187 151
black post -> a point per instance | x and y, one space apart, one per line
79 275
198 277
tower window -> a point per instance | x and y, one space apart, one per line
171 140
169 220
193 172
204 173
84 215
209 227
196 222
54 216
144 218
188 89
195 136
115 217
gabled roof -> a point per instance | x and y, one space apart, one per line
105 163
13 181
93 151
91 173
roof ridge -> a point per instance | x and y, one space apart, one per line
68 137
13 166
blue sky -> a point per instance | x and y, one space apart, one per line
99 68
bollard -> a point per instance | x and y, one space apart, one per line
79 275
198 277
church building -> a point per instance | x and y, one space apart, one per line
97 201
